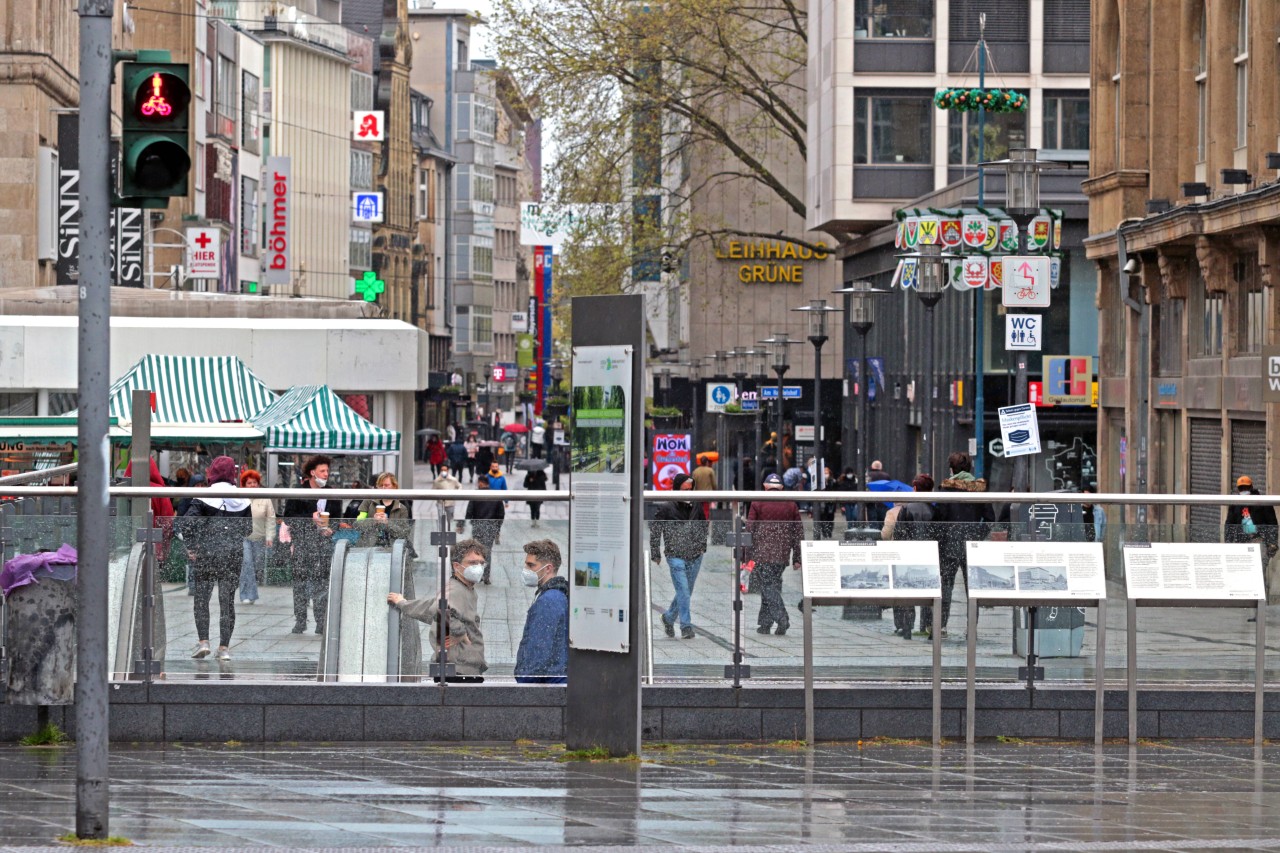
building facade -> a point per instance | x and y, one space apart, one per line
1184 232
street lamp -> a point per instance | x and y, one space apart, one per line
778 362
1022 203
859 296
663 377
758 364
931 279
817 311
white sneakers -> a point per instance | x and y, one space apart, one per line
202 650
224 653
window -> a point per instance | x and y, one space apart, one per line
361 91
893 129
361 170
249 130
1255 305
198 166
879 19
473 257
248 217
1066 122
1066 21
474 189
1171 336
1211 325
1117 108
1007 21
1242 75
473 329
1002 132
225 99
361 249
1202 88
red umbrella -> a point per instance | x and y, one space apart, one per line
515 428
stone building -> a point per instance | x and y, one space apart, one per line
1185 231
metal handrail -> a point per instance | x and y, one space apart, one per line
36 476
1118 499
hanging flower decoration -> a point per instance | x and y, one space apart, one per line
971 100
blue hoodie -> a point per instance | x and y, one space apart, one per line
543 657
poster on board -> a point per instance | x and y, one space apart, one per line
875 569
1190 570
1034 570
599 532
671 456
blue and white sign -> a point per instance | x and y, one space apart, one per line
1022 332
720 394
750 401
1019 430
789 392
366 207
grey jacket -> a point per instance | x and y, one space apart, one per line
464 623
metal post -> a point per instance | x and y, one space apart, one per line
1100 674
806 604
979 310
817 415
1131 665
778 441
697 416
970 668
1021 468
927 456
1259 667
144 667
442 539
759 430
740 540
937 671
864 392
94 379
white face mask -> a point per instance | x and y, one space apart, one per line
320 481
473 573
529 577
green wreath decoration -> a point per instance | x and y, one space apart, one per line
971 100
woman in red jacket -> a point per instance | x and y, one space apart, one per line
776 533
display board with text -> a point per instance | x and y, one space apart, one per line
876 569
1036 570
1194 571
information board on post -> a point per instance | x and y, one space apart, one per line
599 529
1194 571
1019 430
1036 570
875 569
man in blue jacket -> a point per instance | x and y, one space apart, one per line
879 481
543 657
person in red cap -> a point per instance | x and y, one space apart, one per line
1251 523
776 533
214 529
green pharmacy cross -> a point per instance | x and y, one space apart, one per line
370 286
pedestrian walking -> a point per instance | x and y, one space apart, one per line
776 533
214 528
473 448
446 482
543 654
914 523
261 536
824 512
311 532
679 530
456 453
537 438
535 481
486 523
463 640
435 454
957 524
878 480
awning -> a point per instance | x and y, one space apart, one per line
193 390
312 419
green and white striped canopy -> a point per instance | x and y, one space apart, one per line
313 419
193 390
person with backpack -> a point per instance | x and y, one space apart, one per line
1252 523
214 529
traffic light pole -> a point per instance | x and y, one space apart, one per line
94 348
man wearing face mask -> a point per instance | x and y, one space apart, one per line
311 529
543 657
463 639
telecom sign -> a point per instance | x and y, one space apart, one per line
1026 281
1022 332
1019 430
720 394
204 256
789 392
1271 374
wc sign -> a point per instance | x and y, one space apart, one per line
1271 374
1022 332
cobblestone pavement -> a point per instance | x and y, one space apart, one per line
873 796
1208 645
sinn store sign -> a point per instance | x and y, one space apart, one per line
771 262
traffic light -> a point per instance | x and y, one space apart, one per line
154 152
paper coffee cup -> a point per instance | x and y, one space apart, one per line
324 519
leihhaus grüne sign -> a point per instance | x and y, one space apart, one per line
771 262
277 183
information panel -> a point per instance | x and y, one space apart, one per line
1033 570
1175 570
599 528
874 569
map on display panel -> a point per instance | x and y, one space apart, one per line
870 570
1034 570
1175 570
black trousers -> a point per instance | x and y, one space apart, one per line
535 510
311 587
772 610
486 531
948 569
228 584
904 617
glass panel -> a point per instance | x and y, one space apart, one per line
900 130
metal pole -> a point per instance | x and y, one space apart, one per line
979 310
94 378
864 446
759 430
806 605
778 441
696 418
927 435
817 414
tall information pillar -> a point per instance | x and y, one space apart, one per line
606 550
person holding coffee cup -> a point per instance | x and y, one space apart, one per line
312 535
383 521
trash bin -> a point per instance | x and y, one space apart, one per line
40 636
1059 631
